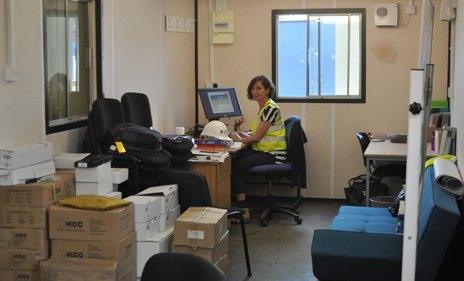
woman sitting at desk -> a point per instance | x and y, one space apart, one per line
267 136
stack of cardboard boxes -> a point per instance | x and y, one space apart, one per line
24 225
159 240
202 231
91 245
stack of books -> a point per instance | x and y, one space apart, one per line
210 149
444 140
212 144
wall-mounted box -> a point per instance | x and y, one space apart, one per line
386 14
223 22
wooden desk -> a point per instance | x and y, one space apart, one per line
387 151
218 178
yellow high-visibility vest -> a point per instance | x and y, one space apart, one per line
274 137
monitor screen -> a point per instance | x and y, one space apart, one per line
220 102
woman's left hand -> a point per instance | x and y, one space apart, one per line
235 136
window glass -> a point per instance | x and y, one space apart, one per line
319 54
292 55
69 51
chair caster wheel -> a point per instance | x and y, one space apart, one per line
298 220
263 222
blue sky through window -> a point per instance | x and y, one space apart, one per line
292 58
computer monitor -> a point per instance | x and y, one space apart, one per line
220 102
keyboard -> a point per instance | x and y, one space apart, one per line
237 145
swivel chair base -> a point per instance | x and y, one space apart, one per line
271 208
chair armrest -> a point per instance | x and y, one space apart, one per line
346 255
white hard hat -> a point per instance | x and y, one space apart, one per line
215 129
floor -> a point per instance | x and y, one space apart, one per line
280 251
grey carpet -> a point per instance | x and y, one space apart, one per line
280 251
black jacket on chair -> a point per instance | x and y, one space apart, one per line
296 150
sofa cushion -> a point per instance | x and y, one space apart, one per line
361 219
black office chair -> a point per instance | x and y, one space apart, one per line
294 171
379 172
131 102
136 107
180 267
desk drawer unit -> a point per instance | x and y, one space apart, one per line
218 177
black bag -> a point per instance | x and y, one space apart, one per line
356 191
142 143
178 145
136 137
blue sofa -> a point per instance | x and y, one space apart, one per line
362 244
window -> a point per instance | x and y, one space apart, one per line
319 55
70 59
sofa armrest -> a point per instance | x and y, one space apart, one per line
345 255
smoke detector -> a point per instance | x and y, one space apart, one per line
386 14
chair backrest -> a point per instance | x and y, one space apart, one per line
295 138
136 107
364 141
438 218
105 115
180 267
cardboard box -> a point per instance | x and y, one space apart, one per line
223 263
212 255
200 227
67 160
76 224
147 229
123 251
22 175
69 178
29 217
167 220
86 270
143 208
100 188
19 275
24 238
26 155
96 174
159 243
39 194
169 194
114 194
119 175
22 259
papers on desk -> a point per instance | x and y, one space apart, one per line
448 177
208 156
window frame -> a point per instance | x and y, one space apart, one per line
322 98
98 69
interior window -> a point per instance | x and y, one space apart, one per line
69 51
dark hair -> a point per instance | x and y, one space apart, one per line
268 85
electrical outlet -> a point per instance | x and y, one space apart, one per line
410 10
